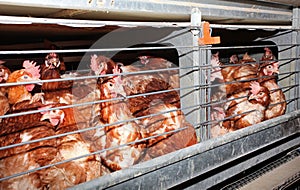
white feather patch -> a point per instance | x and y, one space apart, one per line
25 137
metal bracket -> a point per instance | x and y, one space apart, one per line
195 21
206 36
202 28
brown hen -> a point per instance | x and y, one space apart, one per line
58 91
71 146
119 134
4 73
249 110
218 93
238 76
20 129
165 119
138 84
268 70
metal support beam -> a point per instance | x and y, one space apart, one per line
296 52
217 10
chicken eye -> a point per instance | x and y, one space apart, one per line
269 67
25 76
111 84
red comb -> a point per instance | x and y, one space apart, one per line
117 78
255 87
94 63
267 49
31 68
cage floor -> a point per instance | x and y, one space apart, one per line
283 173
277 177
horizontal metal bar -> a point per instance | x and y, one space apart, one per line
233 82
209 104
87 23
209 122
15 52
292 99
209 66
94 23
226 118
249 46
251 27
93 76
96 102
221 101
284 87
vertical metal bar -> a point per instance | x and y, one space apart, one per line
204 93
201 94
208 117
296 40
195 25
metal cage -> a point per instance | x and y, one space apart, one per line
212 160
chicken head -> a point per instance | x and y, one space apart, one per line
259 94
112 87
54 116
102 65
52 61
270 69
4 72
268 55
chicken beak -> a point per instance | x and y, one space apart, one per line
276 71
252 97
35 81
54 117
45 116
38 81
122 92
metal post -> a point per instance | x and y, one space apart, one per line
204 91
195 29
296 52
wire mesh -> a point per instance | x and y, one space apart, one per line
251 177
